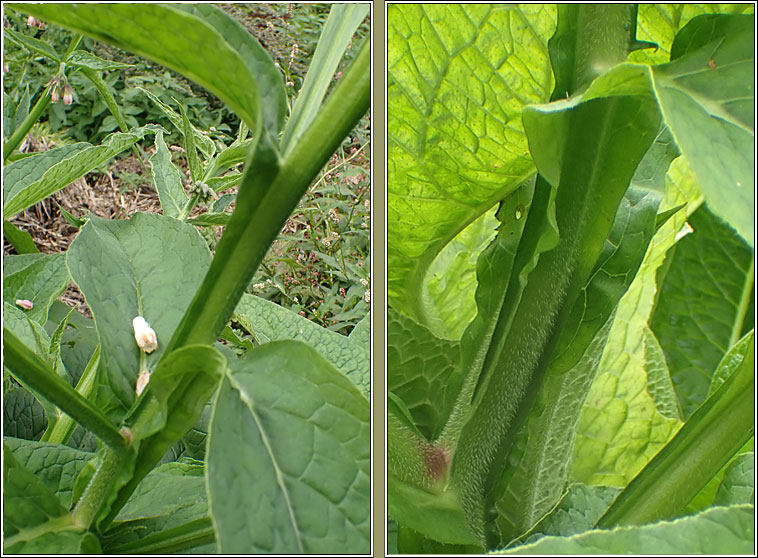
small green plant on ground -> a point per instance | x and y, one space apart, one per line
278 460
571 279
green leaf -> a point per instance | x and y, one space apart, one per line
229 180
226 159
361 333
24 172
195 440
84 59
32 44
21 240
59 542
738 485
23 192
23 416
458 77
715 531
608 451
660 23
335 37
170 36
31 509
437 516
451 280
170 496
167 179
710 112
147 266
57 466
290 433
32 335
204 144
578 511
256 58
268 321
39 278
713 266
420 368
79 340
659 380
196 170
210 219
704 444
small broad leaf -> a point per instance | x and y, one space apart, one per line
35 45
84 59
167 179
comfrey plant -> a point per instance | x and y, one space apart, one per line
279 460
540 390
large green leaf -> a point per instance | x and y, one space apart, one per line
289 456
147 266
39 278
268 321
57 466
201 43
256 58
716 531
714 267
23 187
458 76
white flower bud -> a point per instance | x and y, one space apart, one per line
25 304
144 335
142 380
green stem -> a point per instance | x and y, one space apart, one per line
170 541
89 505
66 425
706 442
36 113
744 304
20 133
35 374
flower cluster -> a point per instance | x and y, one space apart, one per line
58 86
